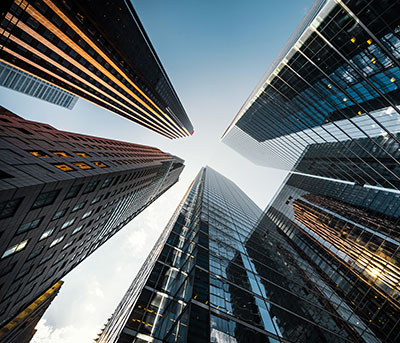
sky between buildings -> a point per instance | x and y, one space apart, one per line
215 52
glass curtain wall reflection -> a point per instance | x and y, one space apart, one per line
347 239
335 83
223 272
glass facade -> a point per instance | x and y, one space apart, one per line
97 50
224 272
19 81
345 238
336 83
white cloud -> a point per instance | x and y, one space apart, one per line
68 334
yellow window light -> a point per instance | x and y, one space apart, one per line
359 113
82 165
353 40
82 154
392 79
63 167
369 41
39 153
100 164
373 60
329 86
61 154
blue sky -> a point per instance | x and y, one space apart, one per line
214 52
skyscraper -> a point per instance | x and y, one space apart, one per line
97 50
345 239
221 272
63 195
19 81
335 86
22 327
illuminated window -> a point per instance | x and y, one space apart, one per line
15 248
39 153
56 241
100 164
82 165
79 228
67 224
79 206
87 214
63 167
47 233
61 154
67 245
82 154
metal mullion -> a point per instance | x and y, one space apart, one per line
350 119
365 79
312 129
353 140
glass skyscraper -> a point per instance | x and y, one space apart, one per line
97 50
223 272
332 93
345 239
22 82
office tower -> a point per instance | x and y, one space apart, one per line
221 273
21 328
62 195
334 85
97 50
19 81
348 237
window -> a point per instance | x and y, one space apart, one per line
59 214
79 206
45 199
91 186
25 270
100 164
67 224
39 153
63 167
67 245
35 253
73 191
47 233
56 241
30 225
61 154
15 248
106 182
79 228
59 258
96 199
47 257
87 214
8 208
82 165
82 154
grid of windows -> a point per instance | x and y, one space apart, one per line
328 106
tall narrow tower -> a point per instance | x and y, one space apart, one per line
221 272
97 50
63 195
